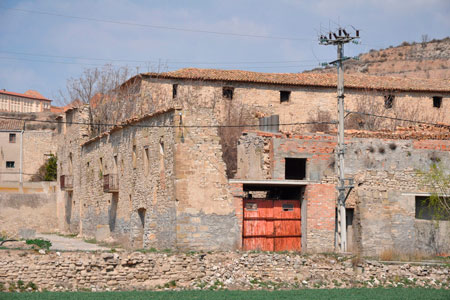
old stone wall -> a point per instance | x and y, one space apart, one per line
31 206
69 137
141 211
303 105
37 146
206 217
71 271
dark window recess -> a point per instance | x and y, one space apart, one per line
389 101
12 137
227 92
426 212
174 90
10 164
349 213
285 96
437 101
295 168
141 213
288 207
251 206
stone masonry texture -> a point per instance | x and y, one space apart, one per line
72 271
386 178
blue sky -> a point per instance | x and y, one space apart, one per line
30 42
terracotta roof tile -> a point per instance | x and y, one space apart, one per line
359 81
28 94
8 124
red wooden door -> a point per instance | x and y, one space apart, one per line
271 225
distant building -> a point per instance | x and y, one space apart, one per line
30 101
23 151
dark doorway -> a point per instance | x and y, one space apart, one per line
68 208
113 211
141 212
295 168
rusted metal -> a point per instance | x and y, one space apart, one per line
268 226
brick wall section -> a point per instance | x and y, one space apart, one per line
386 182
321 206
432 145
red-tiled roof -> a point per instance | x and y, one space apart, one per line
7 124
359 81
28 94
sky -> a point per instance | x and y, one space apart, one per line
43 43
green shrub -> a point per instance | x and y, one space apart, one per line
43 244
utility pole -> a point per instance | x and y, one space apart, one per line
340 38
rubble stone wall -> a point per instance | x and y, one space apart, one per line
206 215
37 145
141 211
69 137
71 271
303 105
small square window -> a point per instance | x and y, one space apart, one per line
10 164
389 101
227 92
285 96
12 137
174 90
288 207
251 206
437 101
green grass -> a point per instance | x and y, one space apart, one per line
378 293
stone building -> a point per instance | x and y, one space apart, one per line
384 208
147 183
30 101
294 97
23 151
160 179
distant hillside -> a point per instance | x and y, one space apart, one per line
420 60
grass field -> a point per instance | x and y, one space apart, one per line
377 293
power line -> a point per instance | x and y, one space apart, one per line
172 61
398 119
141 65
224 126
165 126
156 26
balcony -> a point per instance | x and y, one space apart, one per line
110 183
66 182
